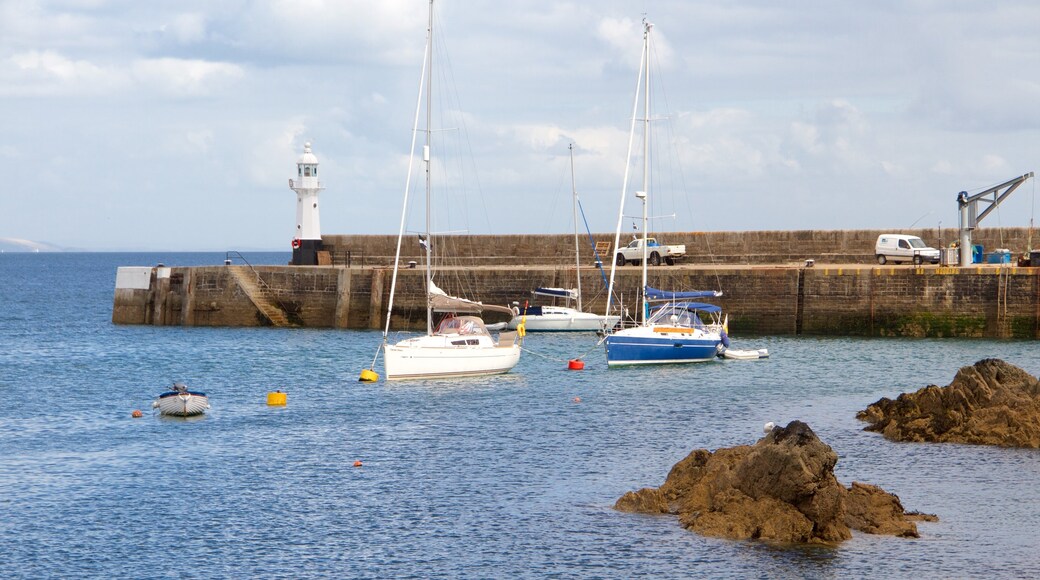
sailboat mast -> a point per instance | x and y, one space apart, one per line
426 160
624 182
646 155
407 189
577 254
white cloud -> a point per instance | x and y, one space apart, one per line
46 73
275 151
187 28
185 78
895 103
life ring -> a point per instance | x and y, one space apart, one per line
296 243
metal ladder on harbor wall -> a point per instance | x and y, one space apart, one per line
259 293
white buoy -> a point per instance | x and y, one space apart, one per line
768 427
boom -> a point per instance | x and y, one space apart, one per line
969 216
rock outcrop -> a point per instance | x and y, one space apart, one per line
782 488
989 403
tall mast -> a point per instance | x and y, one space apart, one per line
426 159
624 183
407 190
646 153
577 255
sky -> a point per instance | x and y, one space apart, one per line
128 125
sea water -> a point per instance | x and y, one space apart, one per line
511 476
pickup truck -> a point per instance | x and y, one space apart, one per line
655 253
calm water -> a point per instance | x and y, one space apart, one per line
502 477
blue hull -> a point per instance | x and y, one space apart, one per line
629 350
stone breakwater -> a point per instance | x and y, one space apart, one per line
703 248
989 403
781 489
851 300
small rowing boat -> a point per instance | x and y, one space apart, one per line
181 402
745 354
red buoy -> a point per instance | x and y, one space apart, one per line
357 463
137 414
576 364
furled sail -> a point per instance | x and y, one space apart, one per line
655 294
440 301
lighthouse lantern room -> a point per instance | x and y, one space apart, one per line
306 241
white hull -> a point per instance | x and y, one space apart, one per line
562 319
745 354
182 404
433 357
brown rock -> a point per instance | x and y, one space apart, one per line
873 510
782 488
989 403
648 500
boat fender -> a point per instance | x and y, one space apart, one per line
725 339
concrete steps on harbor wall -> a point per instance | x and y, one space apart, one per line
260 295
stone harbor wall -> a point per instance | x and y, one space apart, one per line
747 248
979 301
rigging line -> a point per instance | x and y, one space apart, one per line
556 198
404 204
449 78
624 183
682 174
464 275
599 261
449 256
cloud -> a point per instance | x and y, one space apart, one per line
47 73
189 28
788 117
275 151
184 78
623 36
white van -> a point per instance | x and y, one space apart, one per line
901 248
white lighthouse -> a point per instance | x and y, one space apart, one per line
307 239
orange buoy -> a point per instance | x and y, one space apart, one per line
357 463
137 414
576 399
576 364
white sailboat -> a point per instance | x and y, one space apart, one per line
671 327
460 345
562 318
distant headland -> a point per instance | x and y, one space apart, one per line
20 245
